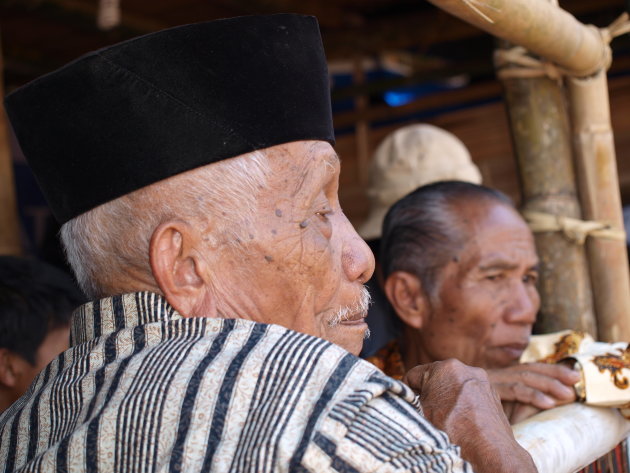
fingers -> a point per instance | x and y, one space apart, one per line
442 373
524 394
543 386
415 377
562 373
461 401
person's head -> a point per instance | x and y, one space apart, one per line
460 267
410 157
36 301
260 237
220 191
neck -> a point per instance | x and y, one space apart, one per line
411 350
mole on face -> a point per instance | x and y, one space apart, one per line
304 224
278 213
269 259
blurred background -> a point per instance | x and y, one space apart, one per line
392 63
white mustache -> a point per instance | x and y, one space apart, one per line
345 313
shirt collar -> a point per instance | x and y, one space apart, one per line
111 314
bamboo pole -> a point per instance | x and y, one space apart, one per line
538 26
601 202
569 437
362 127
542 144
9 227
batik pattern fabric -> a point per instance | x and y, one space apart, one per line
604 370
144 390
604 367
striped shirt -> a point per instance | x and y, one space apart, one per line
143 389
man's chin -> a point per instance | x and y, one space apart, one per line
349 335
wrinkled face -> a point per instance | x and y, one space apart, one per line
487 298
299 262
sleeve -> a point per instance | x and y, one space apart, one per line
385 434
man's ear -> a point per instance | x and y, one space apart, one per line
177 266
405 293
8 374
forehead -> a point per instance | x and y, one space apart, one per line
495 230
316 153
303 165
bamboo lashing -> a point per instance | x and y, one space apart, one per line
529 67
574 229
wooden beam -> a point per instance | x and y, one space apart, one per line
459 97
9 226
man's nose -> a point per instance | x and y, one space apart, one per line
356 258
523 305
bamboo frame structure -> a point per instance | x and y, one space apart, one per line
538 26
595 156
542 144
582 52
9 227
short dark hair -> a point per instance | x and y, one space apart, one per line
423 231
35 298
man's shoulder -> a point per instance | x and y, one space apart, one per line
215 389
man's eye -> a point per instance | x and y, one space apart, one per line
530 278
324 214
494 277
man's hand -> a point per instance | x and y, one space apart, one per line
530 387
461 401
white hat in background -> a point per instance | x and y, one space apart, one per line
408 158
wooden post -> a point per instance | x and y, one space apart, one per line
542 144
362 126
601 202
9 226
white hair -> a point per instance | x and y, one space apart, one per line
344 313
113 238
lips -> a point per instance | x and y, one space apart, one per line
513 350
355 319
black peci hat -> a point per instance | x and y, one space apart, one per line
132 114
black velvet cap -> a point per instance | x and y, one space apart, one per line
132 114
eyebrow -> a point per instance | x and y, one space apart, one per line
334 158
331 160
506 266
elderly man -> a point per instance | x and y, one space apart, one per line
194 174
409 157
460 271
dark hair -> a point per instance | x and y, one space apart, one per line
35 298
423 231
